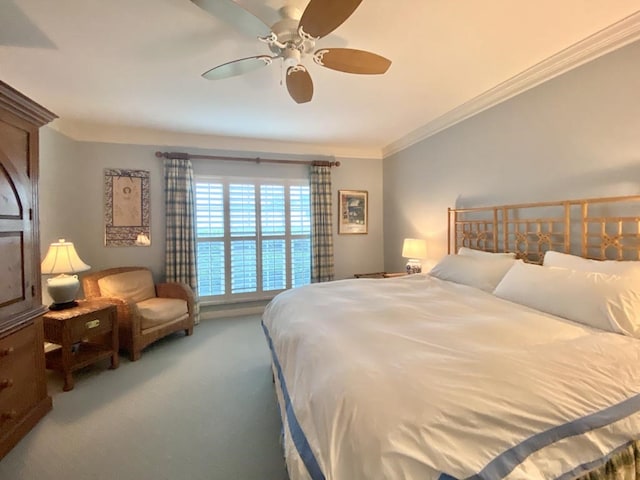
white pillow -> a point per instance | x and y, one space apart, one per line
607 302
478 272
482 254
613 267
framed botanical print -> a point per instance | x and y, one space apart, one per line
126 208
353 217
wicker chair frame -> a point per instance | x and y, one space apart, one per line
132 337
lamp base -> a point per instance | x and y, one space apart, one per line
63 306
62 290
413 266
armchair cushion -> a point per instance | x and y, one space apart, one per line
157 311
134 286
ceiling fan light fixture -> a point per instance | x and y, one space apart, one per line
291 57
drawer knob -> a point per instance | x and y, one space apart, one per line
6 351
11 414
6 383
93 323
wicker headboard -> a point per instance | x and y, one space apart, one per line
599 228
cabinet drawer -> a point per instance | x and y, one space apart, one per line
90 324
18 388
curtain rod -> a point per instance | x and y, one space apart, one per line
188 156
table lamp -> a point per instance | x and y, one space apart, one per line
414 249
142 240
62 259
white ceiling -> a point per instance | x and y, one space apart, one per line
129 70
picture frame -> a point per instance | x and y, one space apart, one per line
127 211
353 212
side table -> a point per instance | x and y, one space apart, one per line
86 333
380 275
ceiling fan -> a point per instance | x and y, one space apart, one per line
293 38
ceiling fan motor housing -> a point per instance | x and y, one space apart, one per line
288 41
287 29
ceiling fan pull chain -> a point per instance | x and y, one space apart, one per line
282 73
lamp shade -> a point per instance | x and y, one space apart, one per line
142 240
62 258
414 248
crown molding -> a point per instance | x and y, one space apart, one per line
82 131
607 40
23 107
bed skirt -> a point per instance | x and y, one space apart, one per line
623 465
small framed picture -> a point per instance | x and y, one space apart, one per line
353 216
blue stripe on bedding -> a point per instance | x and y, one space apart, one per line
297 435
504 463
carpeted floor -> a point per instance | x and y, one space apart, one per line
192 408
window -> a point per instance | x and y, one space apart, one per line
254 237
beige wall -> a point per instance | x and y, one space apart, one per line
575 136
71 200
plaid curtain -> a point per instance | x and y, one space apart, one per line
180 250
322 269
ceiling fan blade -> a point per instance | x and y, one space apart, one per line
350 60
238 67
230 12
299 84
322 17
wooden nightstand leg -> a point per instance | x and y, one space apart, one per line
115 343
115 361
68 382
67 356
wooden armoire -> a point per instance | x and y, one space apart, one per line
23 387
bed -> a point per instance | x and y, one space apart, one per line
488 367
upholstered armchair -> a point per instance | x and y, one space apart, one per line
146 311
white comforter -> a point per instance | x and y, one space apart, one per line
417 378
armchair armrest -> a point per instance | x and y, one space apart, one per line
177 290
127 312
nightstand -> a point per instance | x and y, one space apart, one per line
380 275
86 333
